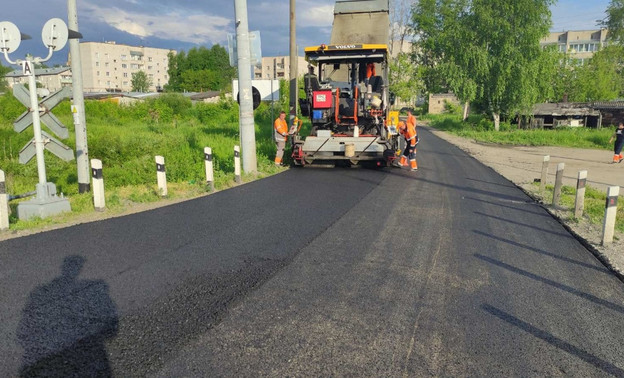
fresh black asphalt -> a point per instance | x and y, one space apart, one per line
447 271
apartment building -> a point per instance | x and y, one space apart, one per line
51 79
108 66
579 44
278 67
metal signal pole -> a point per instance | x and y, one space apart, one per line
78 109
246 116
293 63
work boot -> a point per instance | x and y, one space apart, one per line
413 165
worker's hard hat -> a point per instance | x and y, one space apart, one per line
401 125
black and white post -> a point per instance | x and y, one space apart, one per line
161 176
4 203
237 167
544 176
558 184
209 168
579 203
99 201
608 224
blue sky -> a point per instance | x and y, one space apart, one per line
183 24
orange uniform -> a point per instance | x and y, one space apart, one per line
411 120
409 133
280 131
370 70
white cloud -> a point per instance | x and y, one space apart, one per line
183 26
316 16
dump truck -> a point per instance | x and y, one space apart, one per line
347 97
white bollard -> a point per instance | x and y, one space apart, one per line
99 202
161 176
608 224
4 203
544 173
579 203
209 168
237 168
558 184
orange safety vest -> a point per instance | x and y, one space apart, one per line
370 70
409 133
411 120
281 129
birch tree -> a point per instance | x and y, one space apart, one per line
486 51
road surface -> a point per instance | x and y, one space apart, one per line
447 271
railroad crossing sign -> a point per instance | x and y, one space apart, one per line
26 119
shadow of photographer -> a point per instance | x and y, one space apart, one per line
65 324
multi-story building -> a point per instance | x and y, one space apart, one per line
51 79
278 67
578 44
108 66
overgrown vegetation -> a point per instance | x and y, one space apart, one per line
126 139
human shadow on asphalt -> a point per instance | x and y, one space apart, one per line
536 228
601 269
567 289
65 324
554 341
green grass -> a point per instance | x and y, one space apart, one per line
594 207
479 128
126 139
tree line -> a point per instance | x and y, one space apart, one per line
489 54
201 69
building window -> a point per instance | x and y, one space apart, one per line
97 55
97 64
150 67
125 74
107 73
106 64
124 65
149 59
97 73
125 83
124 57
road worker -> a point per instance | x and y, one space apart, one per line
411 121
619 142
370 72
280 133
409 133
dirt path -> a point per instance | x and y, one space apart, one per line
521 165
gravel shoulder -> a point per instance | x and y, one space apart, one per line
522 165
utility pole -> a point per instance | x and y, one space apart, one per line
246 116
78 109
293 63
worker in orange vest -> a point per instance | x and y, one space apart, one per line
411 121
370 72
280 132
409 133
